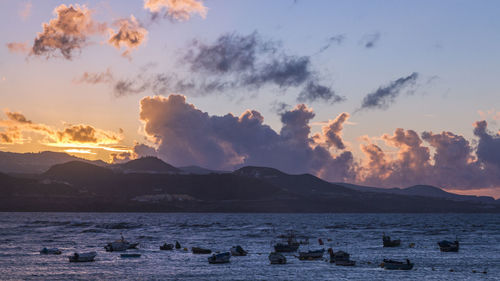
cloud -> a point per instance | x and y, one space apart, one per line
80 135
18 47
386 95
186 135
333 131
370 40
95 77
250 62
25 11
179 10
488 147
139 150
334 40
129 35
67 33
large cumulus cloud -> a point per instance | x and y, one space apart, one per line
186 135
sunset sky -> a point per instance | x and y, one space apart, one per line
381 93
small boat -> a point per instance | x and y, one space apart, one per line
285 248
397 265
83 257
198 250
447 246
130 255
219 258
177 245
291 244
50 251
340 258
238 251
167 247
311 255
390 243
120 245
277 258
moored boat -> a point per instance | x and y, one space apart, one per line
340 258
277 258
198 250
219 258
238 251
390 243
448 246
167 247
397 265
82 257
50 251
134 255
311 255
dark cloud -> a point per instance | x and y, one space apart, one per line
185 136
67 33
334 40
370 40
314 91
386 95
488 147
17 117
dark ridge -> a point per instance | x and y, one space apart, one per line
148 164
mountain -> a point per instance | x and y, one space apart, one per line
424 191
35 163
82 186
196 170
148 164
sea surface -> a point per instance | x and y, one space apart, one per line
22 235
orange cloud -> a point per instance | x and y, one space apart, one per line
129 35
67 33
18 47
25 12
176 9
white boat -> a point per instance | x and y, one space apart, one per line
50 251
277 258
82 257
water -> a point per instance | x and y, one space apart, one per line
22 235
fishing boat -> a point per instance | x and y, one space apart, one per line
390 243
82 257
340 258
311 255
291 244
198 250
396 265
447 246
277 258
219 258
238 251
135 255
167 247
120 245
50 251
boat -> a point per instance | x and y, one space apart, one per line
135 255
82 257
238 251
120 245
397 265
311 255
340 258
447 246
177 245
50 251
291 244
167 247
277 258
390 243
219 258
198 250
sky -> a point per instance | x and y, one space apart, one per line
380 93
